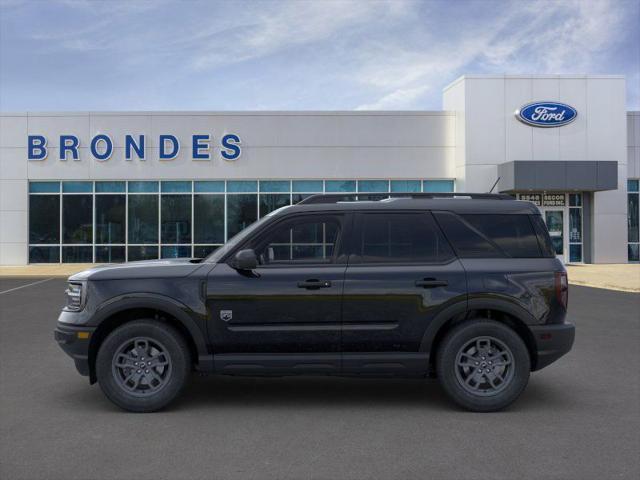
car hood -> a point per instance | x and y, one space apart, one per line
168 268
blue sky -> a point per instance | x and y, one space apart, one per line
299 55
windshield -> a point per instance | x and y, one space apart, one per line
215 256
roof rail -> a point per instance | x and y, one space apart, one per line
371 197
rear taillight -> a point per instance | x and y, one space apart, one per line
562 288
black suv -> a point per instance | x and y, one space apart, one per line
465 287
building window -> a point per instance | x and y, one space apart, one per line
633 235
117 221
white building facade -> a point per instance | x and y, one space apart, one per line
123 186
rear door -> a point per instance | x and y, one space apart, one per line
401 273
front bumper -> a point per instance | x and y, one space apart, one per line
552 342
74 340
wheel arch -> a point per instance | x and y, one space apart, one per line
120 311
501 310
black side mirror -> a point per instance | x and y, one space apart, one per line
245 260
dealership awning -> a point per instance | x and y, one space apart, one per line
558 176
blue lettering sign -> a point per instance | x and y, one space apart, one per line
231 146
164 155
130 144
201 142
69 143
108 147
37 147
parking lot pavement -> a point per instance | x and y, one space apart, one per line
578 418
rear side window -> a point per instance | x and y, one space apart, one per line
543 236
514 234
466 240
401 238
491 235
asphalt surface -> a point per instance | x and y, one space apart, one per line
578 418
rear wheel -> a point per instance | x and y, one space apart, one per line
483 365
143 365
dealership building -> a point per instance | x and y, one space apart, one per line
123 186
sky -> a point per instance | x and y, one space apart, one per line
297 55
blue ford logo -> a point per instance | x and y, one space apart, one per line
546 114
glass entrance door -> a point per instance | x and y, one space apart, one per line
555 224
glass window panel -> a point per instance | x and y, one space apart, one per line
143 187
307 186
174 187
575 225
77 219
402 237
44 218
111 187
143 252
304 240
633 185
467 242
77 254
176 219
201 251
274 185
340 186
271 202
208 218
110 218
633 252
44 187
176 251
438 186
143 219
242 211
44 254
109 254
77 187
209 187
575 253
514 234
632 217
575 200
373 186
242 186
405 186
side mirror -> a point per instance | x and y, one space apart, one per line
245 260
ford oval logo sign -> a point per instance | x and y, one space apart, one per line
546 114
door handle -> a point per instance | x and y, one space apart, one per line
431 283
314 284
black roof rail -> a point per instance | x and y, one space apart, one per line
354 197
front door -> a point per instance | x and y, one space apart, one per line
288 306
556 226
401 275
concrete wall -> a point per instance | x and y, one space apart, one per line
493 136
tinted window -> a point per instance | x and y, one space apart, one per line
544 241
302 240
44 220
176 219
143 219
77 224
512 233
110 219
401 238
467 241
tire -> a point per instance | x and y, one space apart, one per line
494 350
139 385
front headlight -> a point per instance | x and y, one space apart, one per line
75 297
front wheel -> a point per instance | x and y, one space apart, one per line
483 365
143 365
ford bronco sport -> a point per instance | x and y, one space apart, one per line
464 287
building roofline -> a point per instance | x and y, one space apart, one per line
302 113
530 76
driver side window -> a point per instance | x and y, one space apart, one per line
304 240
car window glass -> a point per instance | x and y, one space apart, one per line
401 238
514 234
466 240
303 240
